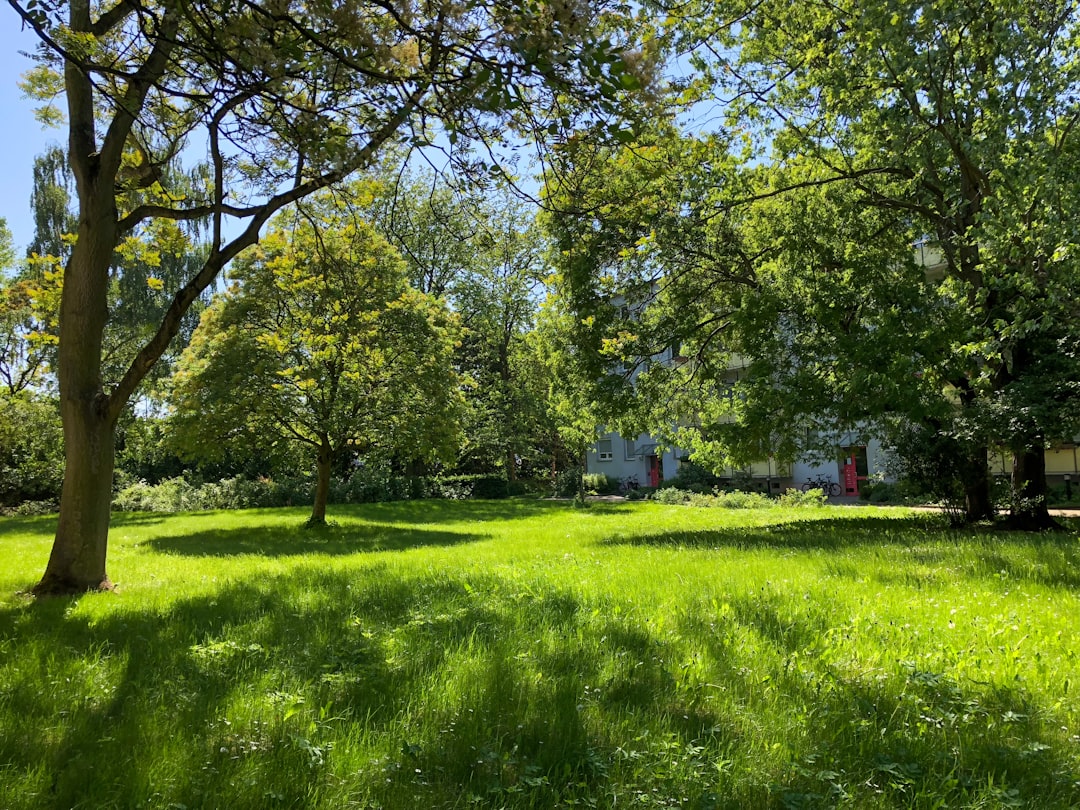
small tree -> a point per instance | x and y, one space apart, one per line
321 342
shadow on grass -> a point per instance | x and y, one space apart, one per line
465 511
46 524
811 533
287 540
38 524
369 686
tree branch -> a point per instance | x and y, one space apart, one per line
220 256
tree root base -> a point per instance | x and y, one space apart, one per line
52 585
1040 522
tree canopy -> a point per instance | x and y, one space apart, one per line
320 342
778 252
279 100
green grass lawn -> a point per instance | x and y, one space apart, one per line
526 654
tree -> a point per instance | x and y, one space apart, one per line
320 342
852 136
286 99
963 118
22 300
506 418
479 248
740 332
31 448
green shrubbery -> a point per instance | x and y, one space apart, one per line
890 492
182 494
31 449
565 482
459 487
692 478
600 484
738 499
797 498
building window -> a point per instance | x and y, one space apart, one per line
629 449
603 450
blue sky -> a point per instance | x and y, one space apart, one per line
21 137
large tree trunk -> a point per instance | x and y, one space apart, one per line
978 504
322 485
1029 511
77 561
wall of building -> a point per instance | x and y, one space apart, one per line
630 459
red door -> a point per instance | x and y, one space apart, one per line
654 472
854 469
851 479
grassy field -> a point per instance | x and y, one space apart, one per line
526 654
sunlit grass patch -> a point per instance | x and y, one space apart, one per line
531 655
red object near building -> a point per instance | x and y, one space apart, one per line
654 471
851 477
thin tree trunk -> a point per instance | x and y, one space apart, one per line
322 485
1029 511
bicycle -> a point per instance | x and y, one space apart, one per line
824 483
627 484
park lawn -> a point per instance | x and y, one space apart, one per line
527 654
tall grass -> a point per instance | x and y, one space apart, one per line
526 654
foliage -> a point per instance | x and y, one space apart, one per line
458 487
24 318
181 494
893 492
966 127
320 343
532 655
280 103
31 449
483 253
751 293
599 484
737 330
692 477
33 508
567 482
736 499
795 498
142 271
370 484
931 461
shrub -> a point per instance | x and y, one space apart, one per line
600 484
671 496
795 498
460 487
35 508
565 483
377 485
171 495
737 500
490 486
181 495
692 478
